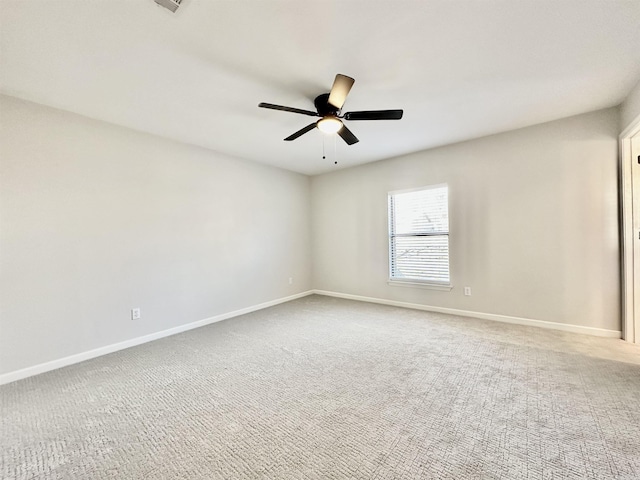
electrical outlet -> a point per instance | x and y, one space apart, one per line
135 314
467 291
290 280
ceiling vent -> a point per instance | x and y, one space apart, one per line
170 4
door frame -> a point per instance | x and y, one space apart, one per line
630 320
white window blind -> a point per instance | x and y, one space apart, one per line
419 235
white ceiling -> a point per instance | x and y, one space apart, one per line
459 69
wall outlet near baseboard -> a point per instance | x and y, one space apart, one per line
290 280
467 291
135 314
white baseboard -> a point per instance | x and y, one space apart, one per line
598 332
97 352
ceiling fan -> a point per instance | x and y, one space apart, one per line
328 107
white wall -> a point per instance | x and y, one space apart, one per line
630 108
534 223
97 219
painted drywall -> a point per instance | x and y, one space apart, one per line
630 108
533 223
96 219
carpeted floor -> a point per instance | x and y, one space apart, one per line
322 388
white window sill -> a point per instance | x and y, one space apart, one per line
444 287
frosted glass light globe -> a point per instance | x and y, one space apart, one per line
329 125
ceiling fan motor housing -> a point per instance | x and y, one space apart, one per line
323 106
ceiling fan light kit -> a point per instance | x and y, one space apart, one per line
329 106
329 125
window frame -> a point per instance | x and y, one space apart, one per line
417 282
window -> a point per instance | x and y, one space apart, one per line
419 235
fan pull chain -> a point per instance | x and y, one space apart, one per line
335 149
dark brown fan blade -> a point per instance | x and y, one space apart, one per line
374 115
341 87
288 109
347 135
300 132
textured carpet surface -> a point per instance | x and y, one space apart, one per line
322 388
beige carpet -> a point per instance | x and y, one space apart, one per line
322 388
